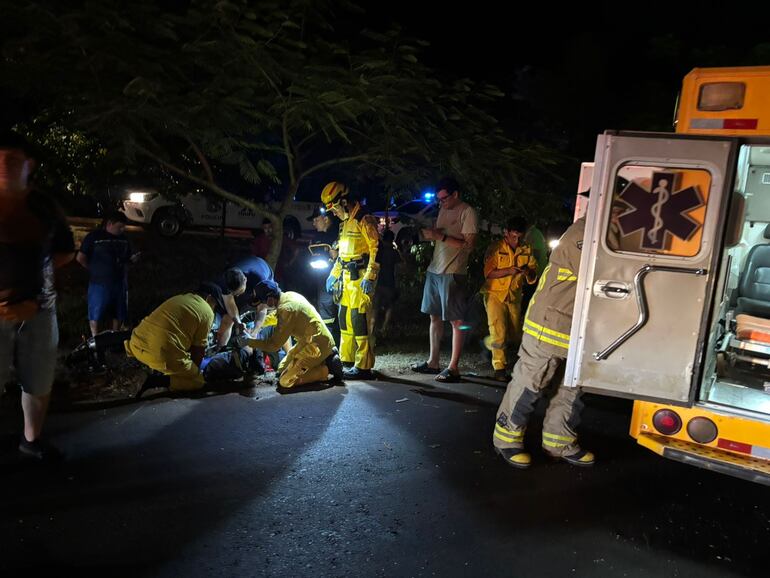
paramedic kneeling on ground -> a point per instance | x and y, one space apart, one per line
313 356
173 338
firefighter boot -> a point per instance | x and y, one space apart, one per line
514 454
580 458
358 373
335 366
515 457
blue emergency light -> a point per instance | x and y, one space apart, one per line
428 196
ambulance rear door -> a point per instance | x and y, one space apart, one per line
651 248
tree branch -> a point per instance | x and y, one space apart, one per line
213 187
301 143
202 158
332 162
287 146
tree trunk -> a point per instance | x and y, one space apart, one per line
277 220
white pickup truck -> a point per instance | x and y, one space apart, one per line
169 216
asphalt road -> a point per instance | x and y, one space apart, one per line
374 479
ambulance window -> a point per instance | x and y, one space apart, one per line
716 96
658 211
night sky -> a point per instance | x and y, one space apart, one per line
571 72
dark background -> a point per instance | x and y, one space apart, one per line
571 71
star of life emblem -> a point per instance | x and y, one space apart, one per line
661 213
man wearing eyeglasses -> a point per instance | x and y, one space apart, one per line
444 297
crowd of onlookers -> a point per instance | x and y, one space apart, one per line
311 319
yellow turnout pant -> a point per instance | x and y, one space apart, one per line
184 374
355 341
305 363
504 320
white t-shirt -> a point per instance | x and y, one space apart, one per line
447 259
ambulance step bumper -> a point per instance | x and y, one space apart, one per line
709 458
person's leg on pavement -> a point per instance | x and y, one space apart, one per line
562 418
431 306
35 408
532 374
496 321
386 321
121 306
92 299
360 306
36 349
515 323
454 303
436 333
347 337
458 337
329 312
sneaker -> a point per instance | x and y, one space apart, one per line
515 457
357 373
501 375
40 450
582 458
334 365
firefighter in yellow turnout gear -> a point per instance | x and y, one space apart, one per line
540 369
508 264
173 338
355 271
313 356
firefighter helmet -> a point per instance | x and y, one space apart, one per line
333 193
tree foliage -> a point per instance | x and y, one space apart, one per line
266 87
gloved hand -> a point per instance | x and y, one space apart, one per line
367 286
331 280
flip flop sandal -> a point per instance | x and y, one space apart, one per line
447 376
425 368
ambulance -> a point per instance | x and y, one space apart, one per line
673 296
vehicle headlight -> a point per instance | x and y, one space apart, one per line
553 243
137 197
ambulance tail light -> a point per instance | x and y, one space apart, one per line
702 430
667 422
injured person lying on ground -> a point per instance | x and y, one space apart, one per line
313 356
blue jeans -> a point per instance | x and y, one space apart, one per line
30 347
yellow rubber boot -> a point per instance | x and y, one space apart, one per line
581 458
515 457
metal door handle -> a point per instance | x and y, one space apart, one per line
641 302
611 289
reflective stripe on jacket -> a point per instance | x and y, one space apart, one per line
549 316
358 238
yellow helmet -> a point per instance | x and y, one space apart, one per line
333 193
